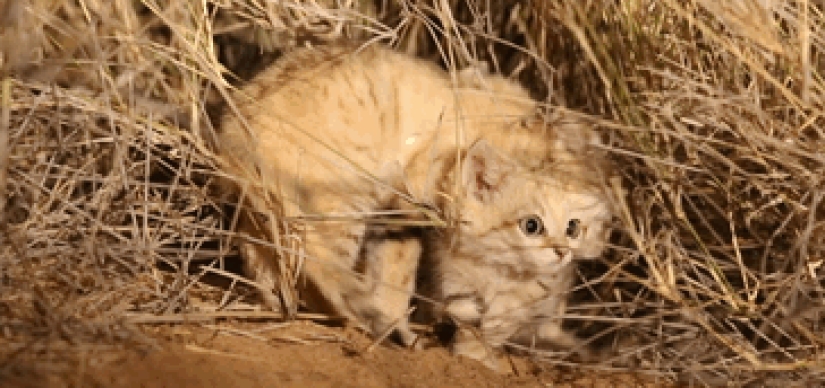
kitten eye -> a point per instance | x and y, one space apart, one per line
531 225
574 228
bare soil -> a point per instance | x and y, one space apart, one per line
304 354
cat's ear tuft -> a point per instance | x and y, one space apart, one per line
484 172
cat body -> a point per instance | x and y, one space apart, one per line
369 148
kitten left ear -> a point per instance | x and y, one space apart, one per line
574 136
484 172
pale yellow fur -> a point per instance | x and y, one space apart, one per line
342 133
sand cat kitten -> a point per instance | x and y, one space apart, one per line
345 136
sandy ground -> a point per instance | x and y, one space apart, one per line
304 354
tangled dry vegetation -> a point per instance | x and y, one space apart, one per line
713 112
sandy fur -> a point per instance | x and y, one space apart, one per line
338 131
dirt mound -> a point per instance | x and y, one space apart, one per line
303 354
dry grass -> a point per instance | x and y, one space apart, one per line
713 112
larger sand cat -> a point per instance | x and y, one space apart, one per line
347 138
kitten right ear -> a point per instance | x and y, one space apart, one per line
484 172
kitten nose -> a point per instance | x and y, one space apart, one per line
561 252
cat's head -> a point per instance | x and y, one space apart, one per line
529 220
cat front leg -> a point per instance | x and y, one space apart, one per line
272 277
471 339
391 259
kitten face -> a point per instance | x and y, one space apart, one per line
565 224
529 223
511 268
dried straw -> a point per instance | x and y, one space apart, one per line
713 113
